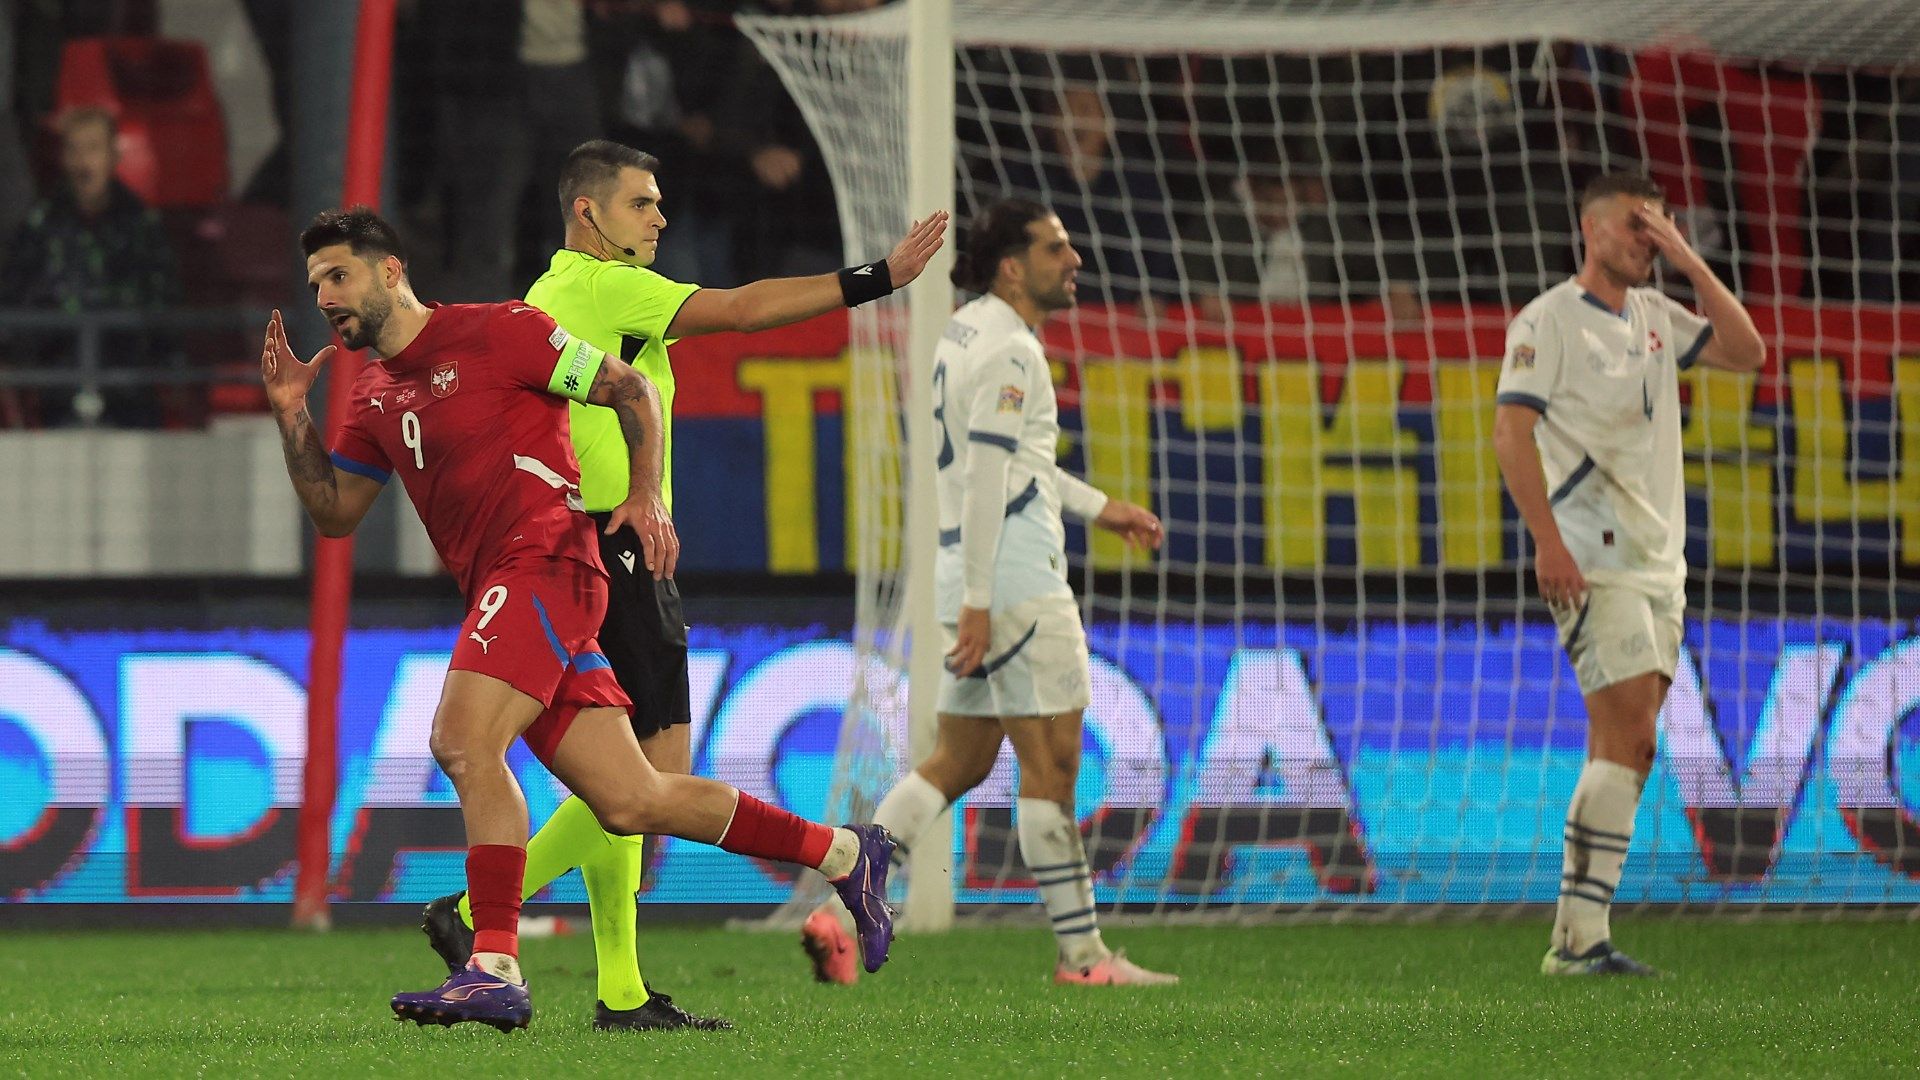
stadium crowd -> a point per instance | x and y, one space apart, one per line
1399 178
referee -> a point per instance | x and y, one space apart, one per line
598 288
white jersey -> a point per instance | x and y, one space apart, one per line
1607 389
993 397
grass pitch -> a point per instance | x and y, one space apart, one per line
1767 998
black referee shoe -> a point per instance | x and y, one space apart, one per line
450 937
658 1014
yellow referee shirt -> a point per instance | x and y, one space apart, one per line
625 311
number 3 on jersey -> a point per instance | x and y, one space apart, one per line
940 414
410 434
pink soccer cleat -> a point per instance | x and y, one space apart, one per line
831 949
1115 970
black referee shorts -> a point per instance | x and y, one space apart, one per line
644 635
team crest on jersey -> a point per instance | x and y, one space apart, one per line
1654 344
445 379
1523 356
1012 399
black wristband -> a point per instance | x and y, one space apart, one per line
859 284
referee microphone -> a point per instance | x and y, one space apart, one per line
603 236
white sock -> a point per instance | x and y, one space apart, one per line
907 811
1050 844
499 965
844 852
1599 829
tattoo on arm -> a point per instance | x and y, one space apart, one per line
634 399
307 463
632 428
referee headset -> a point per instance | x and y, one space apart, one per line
587 211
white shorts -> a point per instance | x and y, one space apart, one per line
1620 632
1036 664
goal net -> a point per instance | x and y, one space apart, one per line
1305 226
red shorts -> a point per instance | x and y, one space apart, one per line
544 616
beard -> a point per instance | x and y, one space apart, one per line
1058 298
368 321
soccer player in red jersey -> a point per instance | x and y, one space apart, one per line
468 403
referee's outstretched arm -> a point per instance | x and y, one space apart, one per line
771 302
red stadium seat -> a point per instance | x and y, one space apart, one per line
232 254
173 139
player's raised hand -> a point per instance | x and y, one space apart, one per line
1665 233
970 647
648 518
911 254
1134 524
286 376
1561 582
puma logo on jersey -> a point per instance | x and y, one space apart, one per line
486 643
626 560
377 403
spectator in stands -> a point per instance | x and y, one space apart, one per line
1466 171
1273 236
93 246
665 67
1117 214
1889 194
515 95
786 223
1863 183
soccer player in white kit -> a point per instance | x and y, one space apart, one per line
1016 665
1587 432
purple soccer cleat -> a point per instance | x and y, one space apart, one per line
864 891
468 996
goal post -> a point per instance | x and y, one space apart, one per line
1306 226
930 163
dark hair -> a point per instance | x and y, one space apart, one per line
997 232
358 227
592 168
1607 185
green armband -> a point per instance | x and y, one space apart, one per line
573 376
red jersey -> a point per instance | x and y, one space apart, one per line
470 416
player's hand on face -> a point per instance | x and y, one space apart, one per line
1666 235
648 518
970 648
1134 524
911 254
287 378
1561 583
